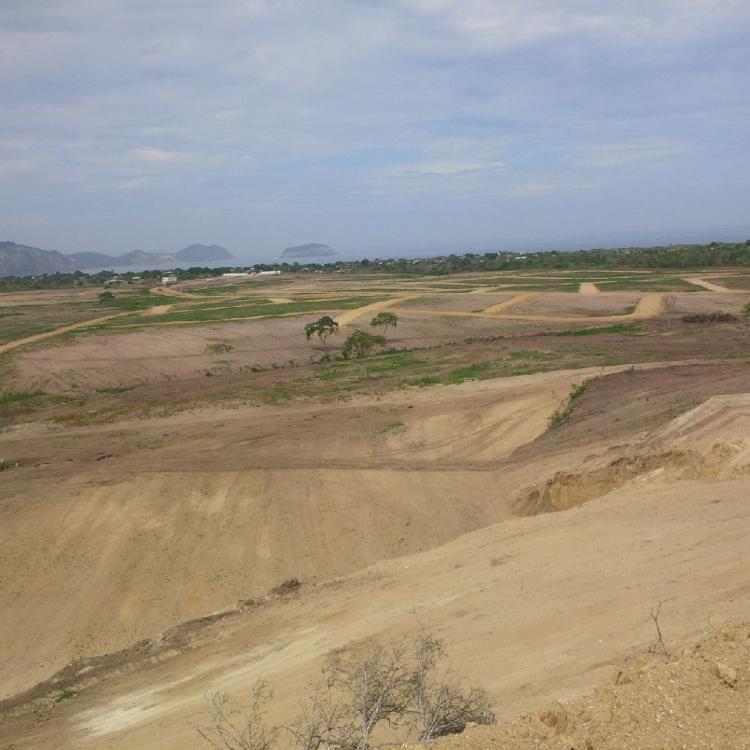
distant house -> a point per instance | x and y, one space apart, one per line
268 273
236 274
168 280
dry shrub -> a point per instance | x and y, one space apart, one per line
397 690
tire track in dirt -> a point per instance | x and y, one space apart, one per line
588 287
350 316
710 286
517 299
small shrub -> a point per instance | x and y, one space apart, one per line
396 425
561 414
290 586
360 344
219 348
715 317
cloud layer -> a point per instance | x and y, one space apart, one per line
373 126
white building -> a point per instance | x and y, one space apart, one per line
168 280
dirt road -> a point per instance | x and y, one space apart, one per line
501 306
711 286
348 317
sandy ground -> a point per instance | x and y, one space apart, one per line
583 305
535 609
712 286
588 288
649 305
696 696
350 316
168 490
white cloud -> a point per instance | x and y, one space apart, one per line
450 169
530 189
158 155
620 154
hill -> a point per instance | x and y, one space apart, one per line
23 260
91 260
204 253
311 250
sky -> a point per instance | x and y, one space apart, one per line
379 127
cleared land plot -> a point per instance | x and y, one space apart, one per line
459 302
647 283
571 305
21 321
731 282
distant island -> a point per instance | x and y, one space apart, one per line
311 250
24 260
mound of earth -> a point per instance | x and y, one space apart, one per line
695 698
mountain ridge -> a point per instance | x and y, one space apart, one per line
25 260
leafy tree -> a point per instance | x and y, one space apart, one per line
106 298
385 319
360 344
322 328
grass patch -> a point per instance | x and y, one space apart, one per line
334 371
628 329
396 359
648 284
219 348
477 371
261 310
393 426
424 381
19 397
65 695
115 389
139 300
563 412
209 291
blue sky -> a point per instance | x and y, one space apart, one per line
378 127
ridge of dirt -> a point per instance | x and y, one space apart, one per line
568 489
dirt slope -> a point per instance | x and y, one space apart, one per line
93 511
535 609
696 697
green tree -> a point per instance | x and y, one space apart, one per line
360 344
106 298
385 319
322 328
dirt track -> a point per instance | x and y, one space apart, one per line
711 286
588 288
349 316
